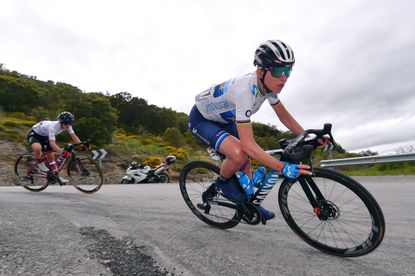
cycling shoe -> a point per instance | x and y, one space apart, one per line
210 193
231 191
266 215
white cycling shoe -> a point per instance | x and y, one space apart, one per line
63 180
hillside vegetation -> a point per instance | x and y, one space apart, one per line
127 126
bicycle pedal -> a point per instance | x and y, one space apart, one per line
205 207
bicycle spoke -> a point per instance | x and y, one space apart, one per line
85 174
195 179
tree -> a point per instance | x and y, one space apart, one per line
95 119
407 149
17 94
173 136
368 153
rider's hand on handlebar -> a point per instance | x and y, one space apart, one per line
322 142
83 147
293 171
326 143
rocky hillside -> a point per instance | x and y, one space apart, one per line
8 153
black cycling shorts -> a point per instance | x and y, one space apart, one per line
33 137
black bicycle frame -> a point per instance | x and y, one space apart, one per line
306 183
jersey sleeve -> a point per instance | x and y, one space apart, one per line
273 99
52 133
244 104
70 130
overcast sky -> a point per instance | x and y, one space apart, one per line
355 60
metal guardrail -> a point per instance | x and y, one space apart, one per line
375 159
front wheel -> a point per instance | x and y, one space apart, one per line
346 222
34 182
85 174
195 178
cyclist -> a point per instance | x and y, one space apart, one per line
42 138
221 118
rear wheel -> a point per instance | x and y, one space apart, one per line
163 178
348 222
85 174
125 181
34 182
195 178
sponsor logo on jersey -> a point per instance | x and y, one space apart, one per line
217 106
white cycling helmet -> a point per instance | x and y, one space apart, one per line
273 53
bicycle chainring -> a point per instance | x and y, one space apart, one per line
51 178
248 212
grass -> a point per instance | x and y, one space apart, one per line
15 126
399 168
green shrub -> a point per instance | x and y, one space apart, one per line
152 161
178 152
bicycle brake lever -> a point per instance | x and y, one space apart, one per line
328 147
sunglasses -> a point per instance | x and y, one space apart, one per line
278 72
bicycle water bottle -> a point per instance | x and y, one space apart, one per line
54 168
259 176
62 157
246 184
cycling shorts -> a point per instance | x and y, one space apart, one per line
210 132
33 137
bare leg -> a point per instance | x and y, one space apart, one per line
236 158
37 150
50 155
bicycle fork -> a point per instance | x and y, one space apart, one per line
322 208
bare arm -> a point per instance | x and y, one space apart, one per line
55 147
288 120
74 138
253 150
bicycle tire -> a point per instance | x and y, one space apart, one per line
34 183
125 181
195 178
350 234
85 174
163 178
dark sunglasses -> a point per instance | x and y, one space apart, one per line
278 72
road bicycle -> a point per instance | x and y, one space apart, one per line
83 172
328 210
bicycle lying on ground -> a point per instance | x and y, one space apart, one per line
328 210
84 174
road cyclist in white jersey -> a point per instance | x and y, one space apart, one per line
221 118
42 140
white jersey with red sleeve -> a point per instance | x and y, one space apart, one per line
234 100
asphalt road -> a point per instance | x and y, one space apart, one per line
148 230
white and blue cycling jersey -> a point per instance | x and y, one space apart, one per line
234 100
219 109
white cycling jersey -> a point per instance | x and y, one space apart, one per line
49 129
234 100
